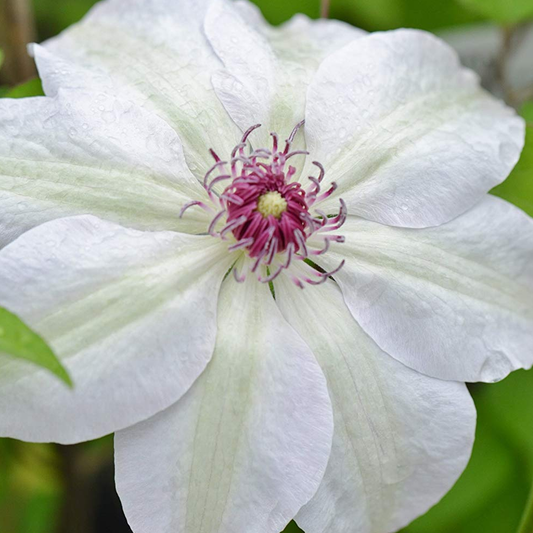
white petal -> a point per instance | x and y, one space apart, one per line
86 154
154 53
407 134
454 302
268 69
247 446
401 439
131 315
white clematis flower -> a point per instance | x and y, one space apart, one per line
159 240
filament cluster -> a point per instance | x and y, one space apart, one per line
265 212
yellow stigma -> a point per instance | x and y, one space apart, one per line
271 203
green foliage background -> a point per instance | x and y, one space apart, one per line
40 485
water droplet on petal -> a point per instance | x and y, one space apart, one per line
108 116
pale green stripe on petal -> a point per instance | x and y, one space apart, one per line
407 133
80 153
454 302
247 446
401 439
131 315
155 54
267 70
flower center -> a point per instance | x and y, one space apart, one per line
266 214
272 203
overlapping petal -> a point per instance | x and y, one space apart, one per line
407 134
267 69
132 316
401 439
81 153
247 446
154 53
139 92
454 302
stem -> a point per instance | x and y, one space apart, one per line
17 29
503 57
514 37
526 524
324 10
77 506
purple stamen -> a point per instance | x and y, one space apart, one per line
321 169
219 163
191 204
217 180
324 275
272 276
211 228
268 214
296 152
290 140
238 279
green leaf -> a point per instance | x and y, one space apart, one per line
510 404
526 524
527 112
53 17
370 14
387 14
518 187
435 14
18 340
375 14
278 12
34 487
32 87
502 11
40 514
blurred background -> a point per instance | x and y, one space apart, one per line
46 488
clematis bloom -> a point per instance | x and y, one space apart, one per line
277 320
